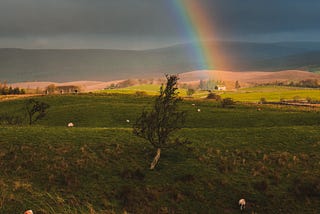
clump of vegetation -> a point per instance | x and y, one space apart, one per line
52 89
5 90
263 100
158 125
127 83
210 84
35 110
190 92
312 101
141 93
237 85
6 119
214 96
309 99
308 83
227 102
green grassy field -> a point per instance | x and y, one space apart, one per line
150 89
253 94
272 93
269 157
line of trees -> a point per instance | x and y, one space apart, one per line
52 89
5 90
210 84
308 83
133 82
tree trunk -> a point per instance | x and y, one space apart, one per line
155 159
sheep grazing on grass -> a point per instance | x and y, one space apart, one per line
128 121
28 212
193 104
198 110
70 125
242 204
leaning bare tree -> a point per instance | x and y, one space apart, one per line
158 125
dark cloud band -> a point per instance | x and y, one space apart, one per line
147 19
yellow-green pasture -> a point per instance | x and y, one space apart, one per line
252 94
272 93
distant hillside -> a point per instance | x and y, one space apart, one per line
83 85
309 61
18 65
193 77
249 76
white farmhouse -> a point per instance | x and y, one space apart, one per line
221 88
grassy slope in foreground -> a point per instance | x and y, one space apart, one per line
269 157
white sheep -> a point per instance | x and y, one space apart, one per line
242 204
199 110
70 125
193 104
28 212
128 121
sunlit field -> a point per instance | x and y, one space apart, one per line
267 154
252 94
272 93
83 120
150 89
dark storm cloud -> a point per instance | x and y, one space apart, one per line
32 17
263 16
49 22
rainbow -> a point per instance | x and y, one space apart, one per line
199 28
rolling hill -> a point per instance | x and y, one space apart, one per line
193 77
60 65
249 77
269 157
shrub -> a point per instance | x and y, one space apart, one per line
214 96
312 101
141 93
190 92
309 99
158 125
263 100
237 85
227 102
35 110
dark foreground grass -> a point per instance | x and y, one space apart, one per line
269 157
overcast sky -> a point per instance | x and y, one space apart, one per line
143 24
